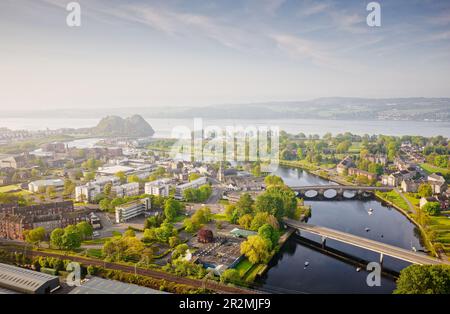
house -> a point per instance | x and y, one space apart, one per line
357 172
87 192
437 182
410 186
342 167
15 162
378 159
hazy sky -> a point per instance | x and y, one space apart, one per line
192 52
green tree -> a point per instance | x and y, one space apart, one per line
171 209
256 249
245 221
424 279
245 204
122 176
230 276
72 238
105 204
269 233
194 176
107 189
432 208
56 238
425 190
35 236
85 229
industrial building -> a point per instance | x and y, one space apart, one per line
26 281
41 185
158 187
96 285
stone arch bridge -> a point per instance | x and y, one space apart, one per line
358 192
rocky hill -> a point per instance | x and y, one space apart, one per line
134 126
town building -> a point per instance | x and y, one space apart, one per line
344 165
378 159
41 185
438 184
87 192
410 186
127 189
358 172
132 209
15 220
159 187
15 161
179 189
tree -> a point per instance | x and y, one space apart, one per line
343 147
35 236
133 179
105 204
171 209
245 221
69 187
85 229
107 189
260 219
425 190
432 208
56 238
269 233
245 204
72 238
194 176
173 241
129 233
122 176
50 191
125 249
424 279
257 249
273 180
230 276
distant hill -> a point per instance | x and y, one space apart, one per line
334 108
134 126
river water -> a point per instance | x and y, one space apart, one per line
326 274
164 127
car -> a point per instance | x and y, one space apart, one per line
95 234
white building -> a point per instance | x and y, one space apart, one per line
128 189
179 189
133 209
87 192
158 187
41 185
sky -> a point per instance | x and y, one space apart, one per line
196 53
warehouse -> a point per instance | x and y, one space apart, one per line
26 281
96 285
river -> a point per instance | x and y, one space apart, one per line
326 274
164 127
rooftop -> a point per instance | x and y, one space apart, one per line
98 285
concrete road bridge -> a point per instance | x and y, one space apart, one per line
358 191
371 245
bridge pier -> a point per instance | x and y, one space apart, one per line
324 242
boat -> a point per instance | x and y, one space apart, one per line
306 264
367 229
370 210
370 213
358 269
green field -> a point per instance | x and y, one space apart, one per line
432 169
243 267
395 198
9 188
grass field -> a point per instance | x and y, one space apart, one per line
9 188
395 198
243 267
432 169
